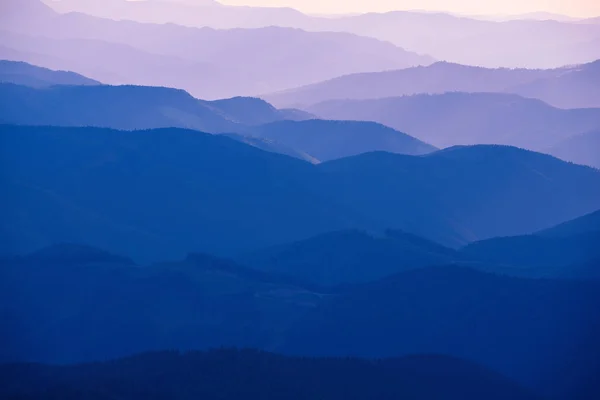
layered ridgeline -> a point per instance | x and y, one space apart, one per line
132 107
70 303
569 250
204 61
21 73
538 331
329 140
162 193
156 194
485 40
469 118
142 107
584 224
580 149
465 192
566 87
232 374
350 257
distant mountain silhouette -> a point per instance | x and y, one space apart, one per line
349 257
21 73
274 58
476 42
487 41
113 63
437 78
250 374
523 328
328 140
574 88
198 13
566 87
585 224
131 107
580 149
468 118
464 194
162 193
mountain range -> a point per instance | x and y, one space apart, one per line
540 255
330 140
573 88
583 224
69 304
469 118
137 107
156 194
21 73
456 38
203 61
503 118
521 327
111 309
349 257
580 149
132 107
566 87
160 194
341 259
181 179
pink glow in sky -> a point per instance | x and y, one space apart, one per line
576 8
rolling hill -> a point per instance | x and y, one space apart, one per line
162 193
21 73
131 107
155 194
485 41
349 257
585 224
72 303
471 41
274 58
565 87
438 78
536 255
468 118
580 149
456 190
329 140
574 88
524 328
111 306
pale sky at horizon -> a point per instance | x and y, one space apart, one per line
575 8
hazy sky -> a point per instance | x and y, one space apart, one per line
579 8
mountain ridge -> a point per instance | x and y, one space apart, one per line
469 118
30 75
